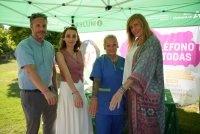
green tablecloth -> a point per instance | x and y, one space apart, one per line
171 119
172 125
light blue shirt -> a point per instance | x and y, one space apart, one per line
29 51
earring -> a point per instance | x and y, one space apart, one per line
104 48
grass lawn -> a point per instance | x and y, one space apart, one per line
12 119
11 115
189 119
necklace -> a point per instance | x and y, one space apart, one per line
114 59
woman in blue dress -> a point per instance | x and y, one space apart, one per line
107 77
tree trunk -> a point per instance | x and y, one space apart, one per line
6 57
0 58
10 54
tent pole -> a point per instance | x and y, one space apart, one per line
104 2
199 104
122 10
108 2
122 2
73 21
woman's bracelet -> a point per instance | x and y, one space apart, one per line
75 92
45 91
120 91
122 88
94 98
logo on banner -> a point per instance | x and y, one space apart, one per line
197 14
89 23
188 16
179 49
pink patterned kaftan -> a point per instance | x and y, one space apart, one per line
146 97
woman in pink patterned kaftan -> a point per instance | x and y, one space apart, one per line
144 87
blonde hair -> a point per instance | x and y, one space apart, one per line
145 29
109 36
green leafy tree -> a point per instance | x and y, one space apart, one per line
11 45
18 34
6 45
1 26
53 38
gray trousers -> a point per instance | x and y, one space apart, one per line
34 105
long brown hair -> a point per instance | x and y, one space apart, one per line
63 43
84 46
145 29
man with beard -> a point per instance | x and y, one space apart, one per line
37 77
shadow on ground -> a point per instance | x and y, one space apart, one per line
3 61
14 90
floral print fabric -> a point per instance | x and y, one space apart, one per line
146 97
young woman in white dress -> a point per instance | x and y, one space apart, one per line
73 115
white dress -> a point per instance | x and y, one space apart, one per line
72 120
128 63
